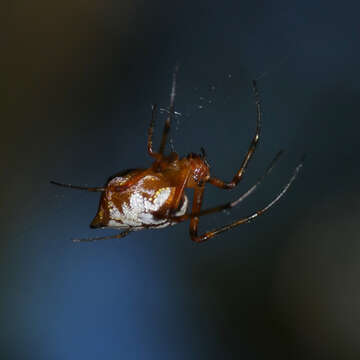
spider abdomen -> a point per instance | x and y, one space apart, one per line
138 201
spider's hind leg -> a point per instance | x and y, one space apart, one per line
167 124
98 189
117 236
150 149
158 155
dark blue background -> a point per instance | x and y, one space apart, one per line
80 79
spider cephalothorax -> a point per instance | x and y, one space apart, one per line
154 198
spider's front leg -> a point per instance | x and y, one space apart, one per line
198 195
229 185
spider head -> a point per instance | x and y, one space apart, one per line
200 172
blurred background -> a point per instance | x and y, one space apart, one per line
80 78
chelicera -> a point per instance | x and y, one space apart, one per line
154 198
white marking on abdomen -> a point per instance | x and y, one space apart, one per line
138 211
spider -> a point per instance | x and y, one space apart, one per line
154 198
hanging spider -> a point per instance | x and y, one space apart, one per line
154 198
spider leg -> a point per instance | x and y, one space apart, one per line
171 113
98 189
151 152
197 202
259 181
233 203
224 185
117 236
208 235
